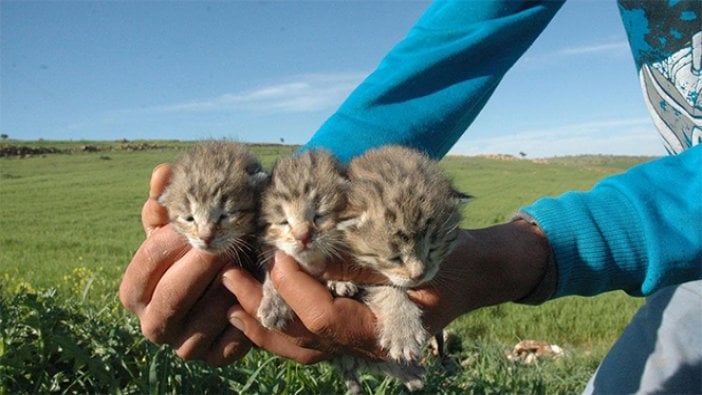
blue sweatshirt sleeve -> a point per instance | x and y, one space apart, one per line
638 232
430 87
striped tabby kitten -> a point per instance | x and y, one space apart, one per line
401 219
213 197
299 212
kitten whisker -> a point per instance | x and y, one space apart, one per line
212 188
265 257
234 252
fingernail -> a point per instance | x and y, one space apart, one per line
235 320
228 279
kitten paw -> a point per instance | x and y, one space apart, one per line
411 375
345 289
274 313
414 384
403 344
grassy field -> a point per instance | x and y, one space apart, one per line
71 221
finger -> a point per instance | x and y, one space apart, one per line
272 341
159 179
435 316
175 295
297 339
244 286
439 299
149 263
318 311
231 346
206 321
249 293
345 271
153 214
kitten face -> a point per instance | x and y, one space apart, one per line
408 256
401 217
213 195
214 224
301 206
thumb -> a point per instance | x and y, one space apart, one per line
153 214
273 341
347 270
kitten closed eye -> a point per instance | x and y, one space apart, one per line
401 219
298 215
213 197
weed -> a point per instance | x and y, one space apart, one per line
71 224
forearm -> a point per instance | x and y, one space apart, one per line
637 232
430 87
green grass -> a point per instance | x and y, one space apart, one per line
71 222
66 211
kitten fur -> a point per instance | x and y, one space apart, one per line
299 212
402 215
213 197
401 219
300 215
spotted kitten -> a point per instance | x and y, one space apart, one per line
213 197
299 212
401 219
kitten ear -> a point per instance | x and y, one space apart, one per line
347 224
460 197
257 179
257 176
351 222
345 185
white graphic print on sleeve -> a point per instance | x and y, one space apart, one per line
673 91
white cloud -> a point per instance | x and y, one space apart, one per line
617 46
556 56
612 137
307 93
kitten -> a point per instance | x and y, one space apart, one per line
401 219
213 197
299 213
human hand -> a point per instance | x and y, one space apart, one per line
489 266
176 291
315 334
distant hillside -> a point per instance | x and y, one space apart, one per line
23 148
26 148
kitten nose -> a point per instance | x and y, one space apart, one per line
207 238
416 271
416 276
302 234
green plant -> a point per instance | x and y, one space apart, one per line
71 224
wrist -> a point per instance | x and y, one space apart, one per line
513 264
499 264
544 262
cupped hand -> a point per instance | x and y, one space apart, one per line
327 325
488 266
322 327
176 291
183 296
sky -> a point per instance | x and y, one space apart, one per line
274 71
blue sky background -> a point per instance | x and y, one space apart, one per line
262 71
